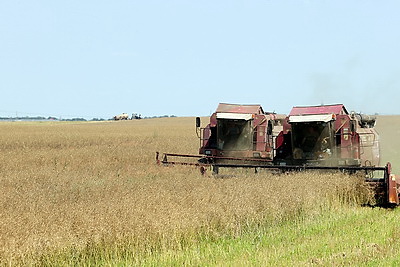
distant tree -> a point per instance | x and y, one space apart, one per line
74 119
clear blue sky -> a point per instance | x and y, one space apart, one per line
100 58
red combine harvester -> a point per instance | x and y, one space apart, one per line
236 135
239 131
325 137
328 136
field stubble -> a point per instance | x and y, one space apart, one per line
66 187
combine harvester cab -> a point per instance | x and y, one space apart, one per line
239 133
329 138
235 135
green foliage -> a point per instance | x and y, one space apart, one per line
350 236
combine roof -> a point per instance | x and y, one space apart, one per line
338 109
244 109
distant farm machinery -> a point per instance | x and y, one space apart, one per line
125 116
325 137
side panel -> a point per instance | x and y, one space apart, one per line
208 136
345 149
369 147
261 138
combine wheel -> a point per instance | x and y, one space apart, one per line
203 170
215 169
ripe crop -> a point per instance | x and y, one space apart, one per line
68 186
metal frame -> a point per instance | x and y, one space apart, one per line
388 181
